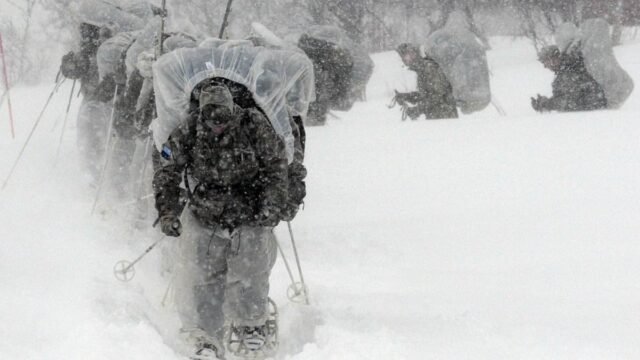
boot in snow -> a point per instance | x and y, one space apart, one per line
206 348
255 342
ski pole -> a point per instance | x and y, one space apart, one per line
296 288
124 270
35 125
107 151
130 202
225 19
295 252
286 262
66 115
4 93
498 107
6 84
162 20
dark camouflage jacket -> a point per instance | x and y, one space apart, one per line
83 65
134 109
236 178
434 97
574 89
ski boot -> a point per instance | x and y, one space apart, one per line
206 348
206 351
255 342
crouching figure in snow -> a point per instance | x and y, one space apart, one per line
434 97
574 89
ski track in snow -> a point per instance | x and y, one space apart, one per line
485 237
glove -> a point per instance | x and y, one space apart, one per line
170 225
289 212
68 67
539 103
268 217
158 11
401 98
413 112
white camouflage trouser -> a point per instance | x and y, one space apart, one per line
220 276
141 178
92 125
94 118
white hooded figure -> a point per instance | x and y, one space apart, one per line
464 61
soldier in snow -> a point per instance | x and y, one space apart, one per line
236 171
434 97
574 89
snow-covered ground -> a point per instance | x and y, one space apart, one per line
485 237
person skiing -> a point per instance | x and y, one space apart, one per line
434 97
135 112
574 89
82 64
94 112
235 168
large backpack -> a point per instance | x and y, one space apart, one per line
601 63
463 60
280 82
592 39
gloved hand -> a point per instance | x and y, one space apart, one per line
540 103
157 11
170 225
68 67
268 216
401 98
289 212
413 112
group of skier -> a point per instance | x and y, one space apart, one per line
228 120
221 126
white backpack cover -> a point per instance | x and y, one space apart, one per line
281 82
601 63
112 52
101 13
463 59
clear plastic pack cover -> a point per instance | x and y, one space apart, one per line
102 13
362 62
601 63
141 9
281 82
145 39
217 43
567 37
463 59
111 52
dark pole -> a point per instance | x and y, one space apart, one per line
163 16
6 84
226 17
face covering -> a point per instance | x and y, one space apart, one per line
217 118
